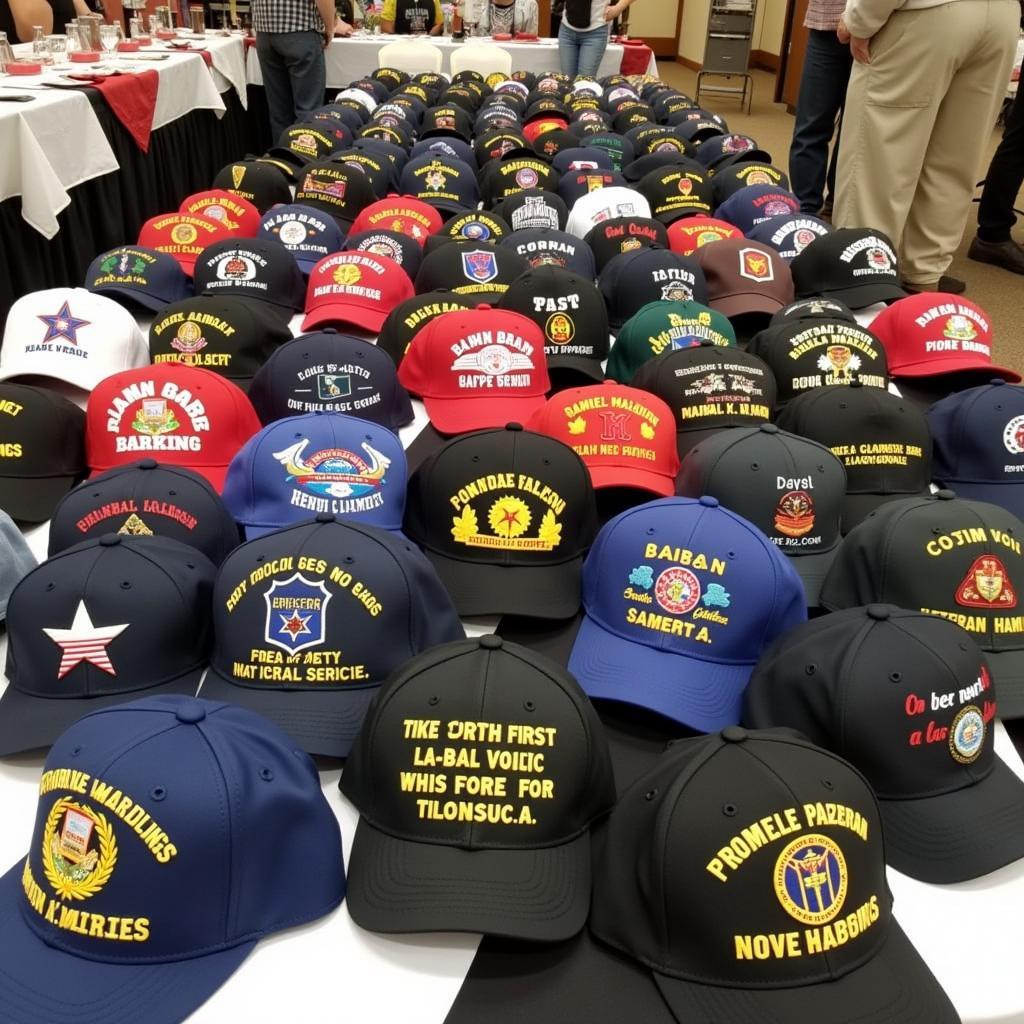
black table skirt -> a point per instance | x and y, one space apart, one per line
183 158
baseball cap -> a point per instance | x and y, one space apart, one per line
630 281
618 147
613 237
820 352
789 234
571 312
404 214
345 603
702 918
687 235
42 450
473 226
626 437
477 368
137 277
933 333
396 246
662 327
212 790
790 488
681 597
16 559
452 148
856 265
408 318
307 234
238 215
300 466
470 268
661 160
380 170
413 868
699 127
513 172
232 336
574 184
606 204
263 183
909 699
183 415
448 120
550 143
252 268
334 188
494 142
533 208
446 184
816 307
98 623
730 148
556 249
145 499
881 439
358 288
391 77
709 387
309 141
676 191
744 277
728 180
182 236
581 158
949 557
70 335
330 372
754 204
504 517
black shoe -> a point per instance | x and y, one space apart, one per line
1008 255
950 285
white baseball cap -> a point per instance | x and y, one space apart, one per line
605 204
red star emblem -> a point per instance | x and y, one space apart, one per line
295 625
510 516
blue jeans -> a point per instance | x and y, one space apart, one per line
294 76
580 53
820 104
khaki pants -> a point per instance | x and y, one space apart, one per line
917 123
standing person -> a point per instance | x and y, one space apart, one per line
993 243
583 34
823 84
508 16
290 39
925 90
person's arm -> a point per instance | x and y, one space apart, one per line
860 21
387 17
612 11
327 16
26 14
438 19
530 20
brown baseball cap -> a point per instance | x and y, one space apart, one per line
745 277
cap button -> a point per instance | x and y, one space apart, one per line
855 384
147 464
708 502
490 642
485 305
190 712
324 517
769 428
513 426
329 330
878 612
945 494
109 540
734 734
997 382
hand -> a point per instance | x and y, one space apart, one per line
343 28
842 32
328 37
612 11
861 49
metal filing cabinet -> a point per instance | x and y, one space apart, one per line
727 50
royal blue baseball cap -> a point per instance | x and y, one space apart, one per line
137 276
789 233
323 462
171 835
308 234
330 372
754 204
310 620
681 599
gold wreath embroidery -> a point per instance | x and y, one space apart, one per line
465 525
85 879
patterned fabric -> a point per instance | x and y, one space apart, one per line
286 16
824 14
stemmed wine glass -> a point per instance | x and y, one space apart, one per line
109 38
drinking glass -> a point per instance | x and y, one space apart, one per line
155 24
58 47
109 38
136 28
6 53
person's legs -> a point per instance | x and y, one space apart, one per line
303 55
966 116
822 91
277 84
1004 179
592 47
568 49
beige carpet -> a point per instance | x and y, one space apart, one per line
1000 293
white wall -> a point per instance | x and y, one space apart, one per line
654 18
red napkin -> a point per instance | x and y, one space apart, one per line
132 100
636 57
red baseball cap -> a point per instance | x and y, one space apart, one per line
477 368
180 415
358 288
626 437
535 129
234 212
404 214
182 236
933 333
687 235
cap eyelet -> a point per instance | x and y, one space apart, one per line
172 494
126 585
76 751
49 587
260 559
475 458
936 530
349 560
649 531
650 794
547 462
755 466
158 793
810 669
896 676
266 775
729 810
528 705
96 494
433 701
963 646
828 784
190 565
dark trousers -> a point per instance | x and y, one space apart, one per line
1004 178
294 76
820 104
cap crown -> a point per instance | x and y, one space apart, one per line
754 204
236 213
606 203
845 259
335 188
470 268
151 278
676 192
259 268
630 281
555 249
789 233
613 237
404 214
445 183
687 235
41 433
308 234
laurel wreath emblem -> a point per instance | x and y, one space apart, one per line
78 881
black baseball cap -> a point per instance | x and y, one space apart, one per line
308 141
403 249
574 184
146 499
746 871
790 488
335 188
909 699
545 248
571 312
821 352
448 121
398 134
309 620
515 172
330 372
138 277
375 165
505 517
391 78
550 143
752 172
631 280
105 621
943 555
469 268
815 308
882 440
581 158
263 183
533 208
661 161
444 146
726 149
619 235
251 268
709 387
406 320
449 185
352 115
459 860
677 191
855 265
494 143
42 450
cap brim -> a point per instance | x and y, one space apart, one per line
954 364
894 985
701 694
862 295
395 885
89 990
460 415
661 484
958 835
345 313
746 302
33 499
28 722
322 722
540 591
136 298
857 507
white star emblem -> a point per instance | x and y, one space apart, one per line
83 641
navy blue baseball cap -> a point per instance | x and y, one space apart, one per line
582 158
545 248
171 835
96 625
448 185
682 597
330 372
446 148
311 619
576 183
307 234
323 462
632 279
789 233
137 276
732 148
754 204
